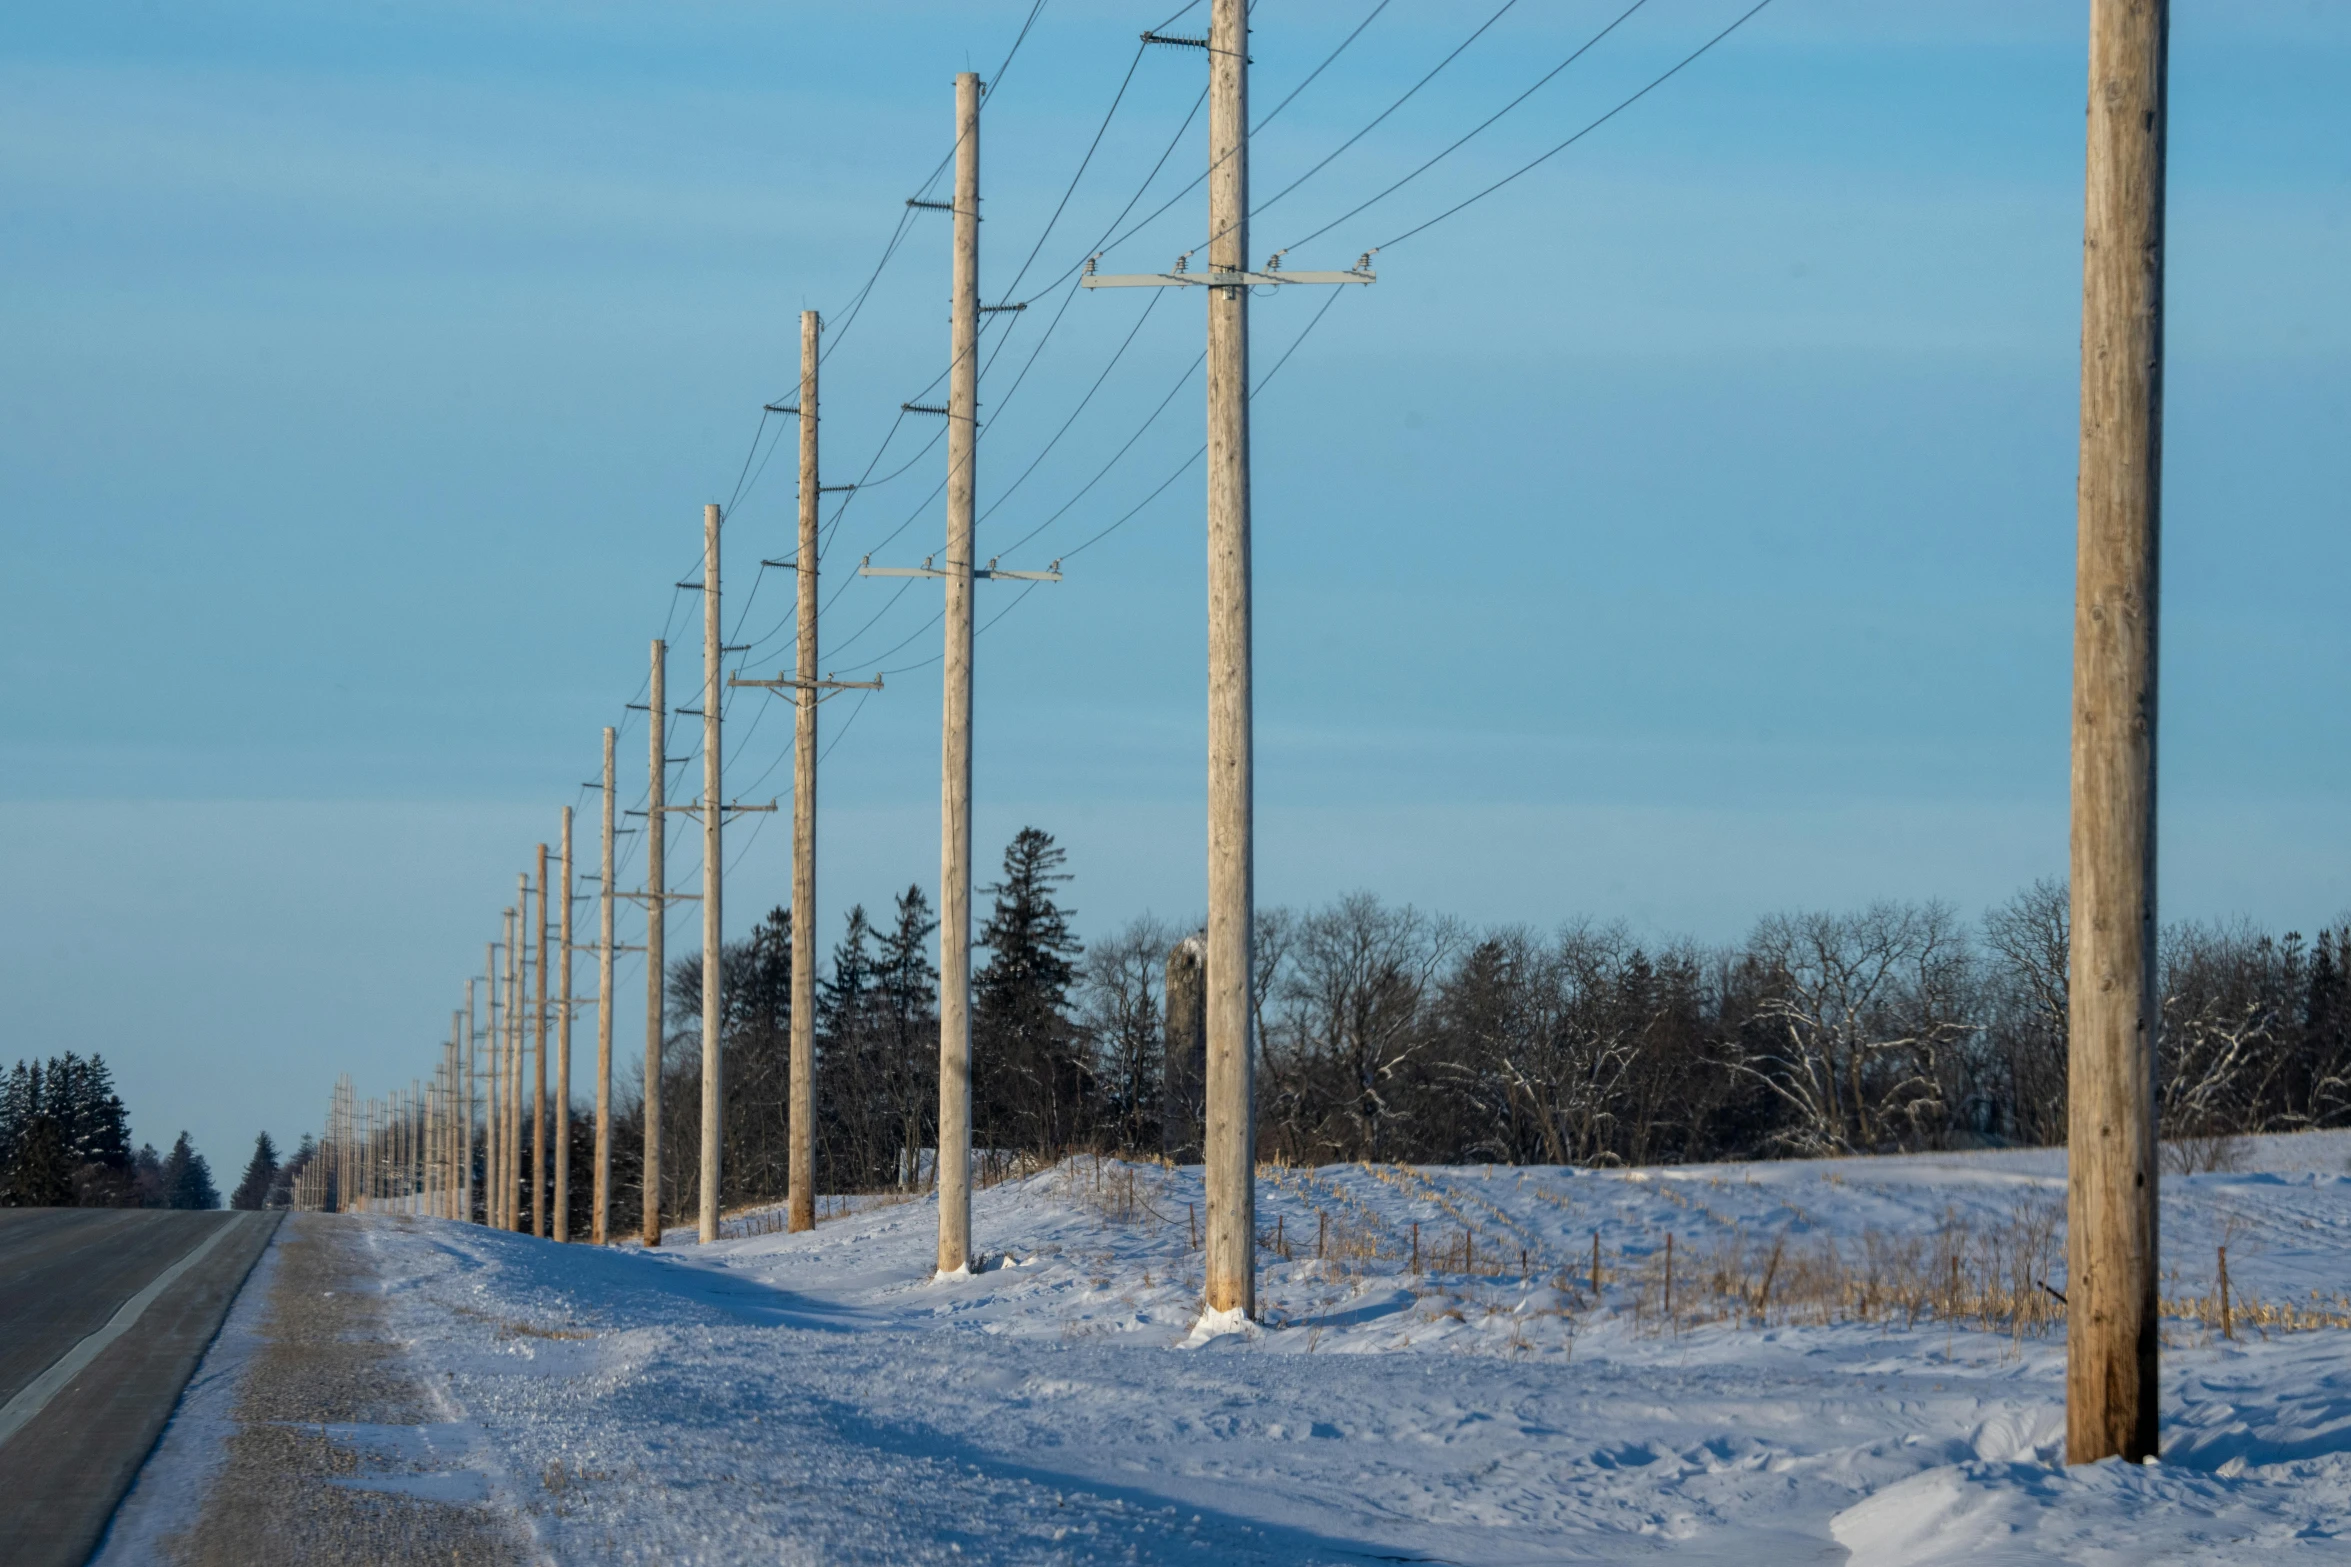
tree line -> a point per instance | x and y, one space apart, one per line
1390 1034
65 1142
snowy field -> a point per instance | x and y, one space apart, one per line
1857 1366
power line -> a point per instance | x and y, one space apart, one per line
1258 390
1384 113
1571 141
1181 382
1091 148
1006 493
1102 246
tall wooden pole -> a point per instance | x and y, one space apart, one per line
539 1063
2113 999
955 761
493 1047
465 1117
1231 1131
445 1123
517 999
563 1011
656 928
414 1174
502 1139
599 1229
713 873
800 1176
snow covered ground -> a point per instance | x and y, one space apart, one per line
818 1398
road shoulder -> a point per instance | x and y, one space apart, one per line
311 1440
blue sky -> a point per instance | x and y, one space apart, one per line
1682 533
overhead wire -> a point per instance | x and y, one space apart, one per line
1376 119
1546 157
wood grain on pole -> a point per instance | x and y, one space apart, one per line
489 1064
490 1101
656 930
504 1180
1230 1134
600 1228
539 1062
954 1153
713 868
800 1171
465 1153
2113 1001
563 1010
517 1002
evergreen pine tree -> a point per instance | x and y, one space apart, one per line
147 1188
187 1177
40 1175
89 1112
1031 1083
20 1101
843 994
855 1147
260 1174
906 989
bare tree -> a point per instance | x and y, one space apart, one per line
1855 1014
2025 1013
2228 991
1118 1007
1348 1024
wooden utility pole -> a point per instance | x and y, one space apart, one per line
465 1198
960 572
494 1174
656 928
800 1164
539 1066
493 1049
713 873
963 397
807 691
563 1011
599 1229
2114 1003
518 998
1230 1132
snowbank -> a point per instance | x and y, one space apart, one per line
1889 1394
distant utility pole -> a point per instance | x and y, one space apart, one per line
502 1027
2112 1332
493 1062
450 1066
960 572
516 1000
563 1010
714 811
539 1067
599 1229
656 929
713 826
498 1175
1230 1138
807 690
465 1114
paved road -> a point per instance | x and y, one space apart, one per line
70 1282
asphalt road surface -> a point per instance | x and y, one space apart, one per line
104 1313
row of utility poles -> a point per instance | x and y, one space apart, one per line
1228 281
2113 1176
